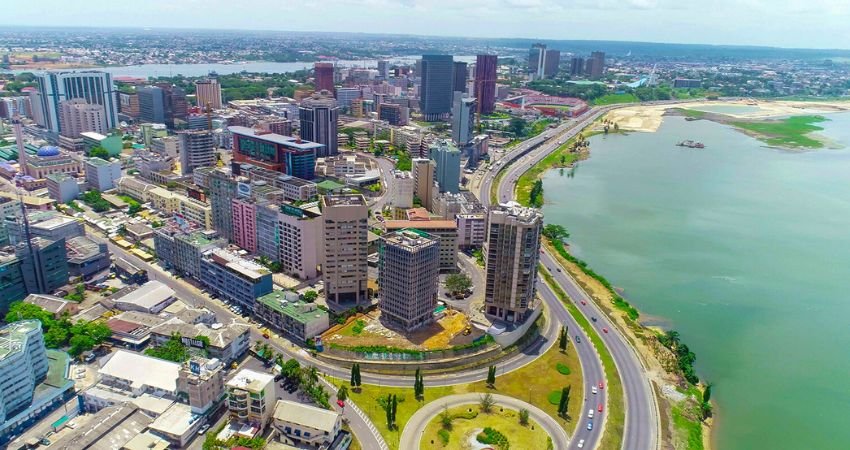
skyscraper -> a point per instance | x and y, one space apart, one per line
324 73
151 104
383 69
79 116
463 119
446 157
409 270
597 65
222 191
513 252
197 149
345 250
485 82
319 115
208 92
535 58
437 85
93 86
459 75
576 65
551 61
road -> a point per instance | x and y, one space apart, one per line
641 427
412 433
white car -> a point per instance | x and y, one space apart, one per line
589 413
593 389
581 443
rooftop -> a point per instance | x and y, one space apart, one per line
82 248
300 311
236 263
250 380
344 200
93 135
13 337
175 421
98 161
147 295
110 428
409 238
280 139
393 225
309 416
142 370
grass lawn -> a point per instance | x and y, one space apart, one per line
790 132
531 383
464 429
353 328
611 99
692 113
616 421
687 431
527 179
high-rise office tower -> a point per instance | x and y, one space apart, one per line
197 149
383 69
485 82
459 75
222 188
44 263
79 116
151 104
24 364
208 92
446 157
423 181
513 252
319 115
463 119
437 84
176 105
345 250
93 86
535 58
409 270
551 61
596 65
576 65
324 73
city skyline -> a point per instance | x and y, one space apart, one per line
787 23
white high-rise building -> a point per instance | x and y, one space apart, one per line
409 270
401 189
208 92
93 86
197 149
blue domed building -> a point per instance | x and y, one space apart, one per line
50 160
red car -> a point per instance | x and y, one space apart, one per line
605 330
601 385
583 302
600 407
340 403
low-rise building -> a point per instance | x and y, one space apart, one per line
203 382
250 398
224 342
300 424
135 374
54 305
102 174
286 312
471 230
177 425
86 257
234 277
151 297
180 246
62 187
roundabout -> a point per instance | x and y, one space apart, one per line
415 428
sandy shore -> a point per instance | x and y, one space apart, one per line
649 118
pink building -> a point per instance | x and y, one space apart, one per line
244 224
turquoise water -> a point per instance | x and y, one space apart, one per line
728 109
743 249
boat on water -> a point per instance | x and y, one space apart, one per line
691 144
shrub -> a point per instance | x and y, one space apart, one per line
555 397
491 436
562 369
444 436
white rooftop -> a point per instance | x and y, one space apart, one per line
176 421
142 370
309 416
148 295
250 380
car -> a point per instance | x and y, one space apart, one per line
599 408
578 339
590 413
589 425
340 403
583 302
593 318
601 385
45 442
559 269
204 429
605 330
593 390
581 443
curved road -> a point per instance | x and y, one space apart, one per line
412 433
641 427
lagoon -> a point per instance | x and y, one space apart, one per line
743 249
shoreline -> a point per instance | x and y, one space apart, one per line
769 123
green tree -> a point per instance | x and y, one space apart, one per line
342 394
80 343
555 232
562 342
310 296
458 283
99 152
491 376
564 403
389 411
446 418
535 197
27 311
517 126
394 408
357 375
706 394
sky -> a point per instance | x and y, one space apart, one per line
780 23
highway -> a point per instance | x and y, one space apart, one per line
641 427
